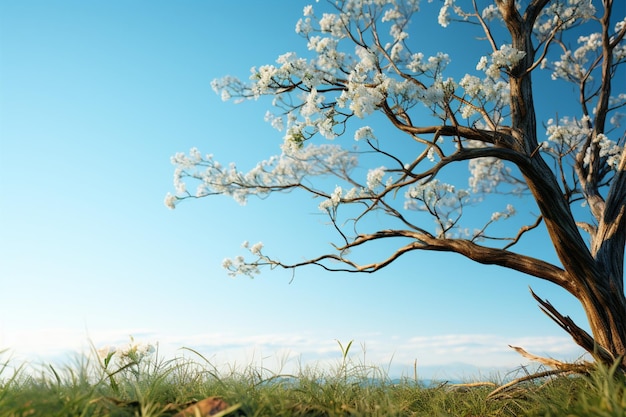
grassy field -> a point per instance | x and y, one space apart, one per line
134 383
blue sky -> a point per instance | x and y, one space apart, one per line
94 99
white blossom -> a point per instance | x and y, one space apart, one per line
508 212
433 194
311 103
562 15
256 248
331 23
333 201
239 266
276 122
607 149
304 26
106 352
616 119
391 14
433 65
170 201
482 63
375 178
364 100
491 12
364 132
444 13
504 58
132 353
289 168
368 60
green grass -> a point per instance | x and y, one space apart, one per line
137 385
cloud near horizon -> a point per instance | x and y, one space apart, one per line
290 352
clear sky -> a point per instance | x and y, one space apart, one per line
94 99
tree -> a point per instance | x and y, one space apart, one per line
362 63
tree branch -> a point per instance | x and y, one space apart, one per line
580 336
425 241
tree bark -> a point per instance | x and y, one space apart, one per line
596 273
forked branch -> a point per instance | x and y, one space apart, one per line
580 336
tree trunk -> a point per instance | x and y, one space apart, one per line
595 276
606 312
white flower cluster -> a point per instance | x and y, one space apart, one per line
366 85
571 135
561 15
375 178
332 202
508 212
614 103
275 121
483 91
568 133
607 149
254 249
133 352
486 174
438 93
444 12
506 58
330 23
364 132
278 172
311 103
492 88
434 195
328 57
443 201
363 100
619 53
398 16
433 66
239 265
491 12
575 65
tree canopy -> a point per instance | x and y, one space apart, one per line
365 61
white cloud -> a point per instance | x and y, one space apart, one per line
452 354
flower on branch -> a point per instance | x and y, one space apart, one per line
256 248
375 178
508 212
364 132
278 173
569 136
506 58
333 201
559 16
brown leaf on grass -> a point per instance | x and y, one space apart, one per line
210 406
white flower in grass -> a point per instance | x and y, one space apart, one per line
106 352
135 351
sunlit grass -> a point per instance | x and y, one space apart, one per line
140 384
